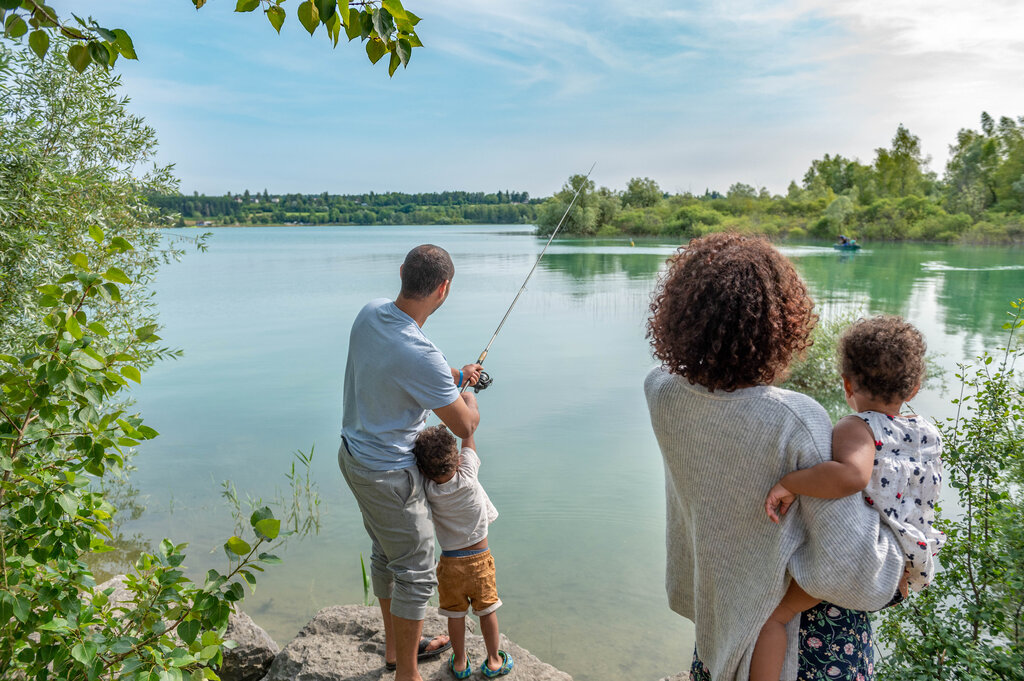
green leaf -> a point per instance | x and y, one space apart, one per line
404 51
237 546
84 652
353 25
375 49
73 328
39 41
116 275
131 373
270 559
124 44
383 23
112 291
106 34
10 4
99 53
269 528
78 259
260 514
309 16
246 5
95 233
22 607
121 244
276 15
15 26
188 630
326 9
394 63
144 332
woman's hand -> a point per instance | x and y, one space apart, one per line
778 502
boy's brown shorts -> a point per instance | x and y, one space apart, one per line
467 581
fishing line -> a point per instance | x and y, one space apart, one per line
485 379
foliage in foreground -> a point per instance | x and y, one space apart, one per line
76 327
62 430
969 624
385 26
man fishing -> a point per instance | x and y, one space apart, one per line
394 375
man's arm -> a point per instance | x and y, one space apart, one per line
461 416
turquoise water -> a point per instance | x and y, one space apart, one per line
568 456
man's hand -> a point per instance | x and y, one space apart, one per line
778 502
471 374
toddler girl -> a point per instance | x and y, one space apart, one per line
894 460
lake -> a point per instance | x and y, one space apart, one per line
569 458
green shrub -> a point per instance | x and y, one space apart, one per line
968 625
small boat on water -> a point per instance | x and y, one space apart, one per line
845 243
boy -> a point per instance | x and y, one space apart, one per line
465 574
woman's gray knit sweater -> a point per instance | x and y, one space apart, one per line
728 564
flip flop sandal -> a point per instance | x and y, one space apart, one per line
505 668
460 673
422 653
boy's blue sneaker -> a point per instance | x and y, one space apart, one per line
461 673
505 668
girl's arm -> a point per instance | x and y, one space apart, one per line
853 456
469 442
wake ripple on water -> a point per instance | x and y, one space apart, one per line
936 266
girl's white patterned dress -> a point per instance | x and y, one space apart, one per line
904 487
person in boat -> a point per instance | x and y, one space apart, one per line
844 241
394 375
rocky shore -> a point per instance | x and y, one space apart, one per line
344 643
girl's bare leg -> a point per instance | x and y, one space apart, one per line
770 649
489 629
457 634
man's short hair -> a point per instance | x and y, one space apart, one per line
425 268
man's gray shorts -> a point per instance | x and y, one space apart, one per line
396 516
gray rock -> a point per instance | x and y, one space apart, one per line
248 661
346 643
252 657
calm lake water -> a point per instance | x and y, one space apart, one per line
568 455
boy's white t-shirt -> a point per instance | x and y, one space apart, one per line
461 508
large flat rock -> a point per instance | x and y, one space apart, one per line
346 643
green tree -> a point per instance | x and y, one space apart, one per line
582 219
77 327
901 169
641 192
71 156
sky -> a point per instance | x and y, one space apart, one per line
520 94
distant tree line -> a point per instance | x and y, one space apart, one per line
979 198
391 208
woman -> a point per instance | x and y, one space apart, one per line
727 318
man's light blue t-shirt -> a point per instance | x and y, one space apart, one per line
393 377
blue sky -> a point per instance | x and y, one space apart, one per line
520 94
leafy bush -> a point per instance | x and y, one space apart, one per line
969 624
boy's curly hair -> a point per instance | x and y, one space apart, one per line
730 312
436 451
883 356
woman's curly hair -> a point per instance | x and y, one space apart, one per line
436 452
730 312
883 356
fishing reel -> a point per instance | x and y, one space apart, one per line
483 382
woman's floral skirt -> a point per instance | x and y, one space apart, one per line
835 645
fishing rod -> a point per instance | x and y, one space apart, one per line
485 379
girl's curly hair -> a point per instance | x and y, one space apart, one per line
436 452
729 313
884 356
